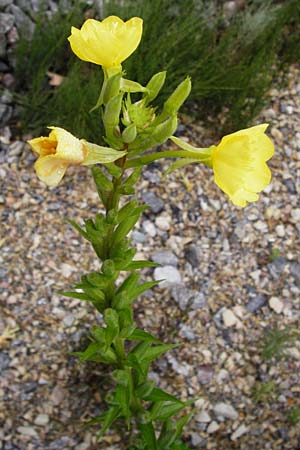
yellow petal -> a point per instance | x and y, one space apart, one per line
50 169
43 145
69 148
239 164
106 43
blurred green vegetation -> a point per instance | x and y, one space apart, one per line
232 61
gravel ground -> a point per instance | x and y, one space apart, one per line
231 275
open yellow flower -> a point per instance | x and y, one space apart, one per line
239 164
60 149
106 43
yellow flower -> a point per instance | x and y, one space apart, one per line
106 43
61 149
239 164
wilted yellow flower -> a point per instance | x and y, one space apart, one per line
61 149
239 164
106 43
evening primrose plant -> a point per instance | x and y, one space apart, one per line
133 126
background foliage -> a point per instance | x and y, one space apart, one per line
232 60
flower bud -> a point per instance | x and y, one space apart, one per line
155 85
112 111
164 130
112 87
129 134
178 97
108 268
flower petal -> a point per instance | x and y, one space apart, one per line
43 145
95 154
106 43
69 148
50 169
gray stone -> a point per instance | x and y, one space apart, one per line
182 296
205 374
22 21
187 332
165 258
198 300
4 3
155 203
295 272
16 148
169 274
193 254
138 237
5 114
6 22
256 303
3 43
4 361
225 410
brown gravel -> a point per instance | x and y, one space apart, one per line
240 271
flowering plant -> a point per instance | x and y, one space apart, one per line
132 128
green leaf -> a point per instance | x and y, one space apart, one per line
78 228
148 435
126 210
158 395
111 415
154 352
101 181
141 335
123 399
79 295
121 377
142 288
141 264
155 85
144 389
131 86
97 279
124 228
167 411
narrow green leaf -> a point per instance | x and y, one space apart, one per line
148 435
154 352
143 288
141 335
127 209
79 295
158 395
124 228
170 410
78 228
111 415
141 264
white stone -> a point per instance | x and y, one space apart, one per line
27 431
296 215
163 222
229 318
242 429
149 228
203 417
225 410
169 274
41 420
280 230
67 270
212 427
276 305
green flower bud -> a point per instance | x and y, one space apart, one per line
112 87
108 268
155 85
112 111
178 97
164 130
129 134
111 217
